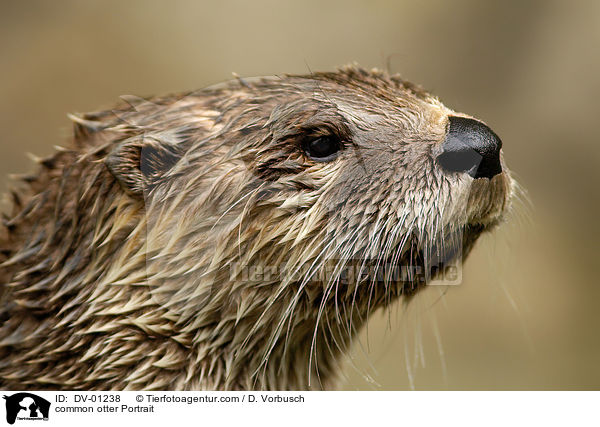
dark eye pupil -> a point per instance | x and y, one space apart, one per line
323 148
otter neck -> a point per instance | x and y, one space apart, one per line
240 336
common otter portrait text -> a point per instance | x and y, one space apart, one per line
239 236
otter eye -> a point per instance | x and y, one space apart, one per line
323 149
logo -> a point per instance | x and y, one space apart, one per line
26 406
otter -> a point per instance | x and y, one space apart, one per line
239 236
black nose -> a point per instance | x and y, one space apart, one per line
471 147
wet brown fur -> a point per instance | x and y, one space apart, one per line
124 263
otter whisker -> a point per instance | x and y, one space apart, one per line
335 276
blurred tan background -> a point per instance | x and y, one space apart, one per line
527 314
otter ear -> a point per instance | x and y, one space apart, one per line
140 163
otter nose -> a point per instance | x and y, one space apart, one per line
471 147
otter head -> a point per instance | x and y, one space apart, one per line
279 211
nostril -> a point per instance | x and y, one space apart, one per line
471 147
460 160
